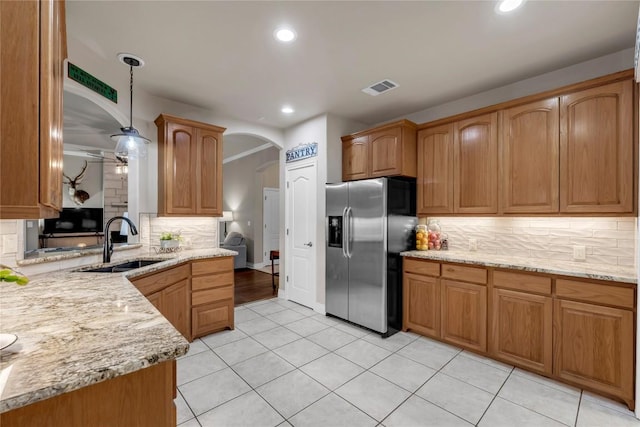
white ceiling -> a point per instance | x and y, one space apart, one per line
221 55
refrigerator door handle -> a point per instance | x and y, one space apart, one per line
344 232
349 229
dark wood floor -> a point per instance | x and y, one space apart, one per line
252 285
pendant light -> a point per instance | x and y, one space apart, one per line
129 143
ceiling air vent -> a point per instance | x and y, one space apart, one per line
380 87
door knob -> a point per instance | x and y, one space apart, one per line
308 244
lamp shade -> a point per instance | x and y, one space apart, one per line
129 144
227 216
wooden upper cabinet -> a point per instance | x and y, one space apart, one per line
210 174
34 36
355 158
189 167
388 150
435 170
596 150
475 164
529 149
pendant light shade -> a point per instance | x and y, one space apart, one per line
129 142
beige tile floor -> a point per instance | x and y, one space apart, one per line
287 365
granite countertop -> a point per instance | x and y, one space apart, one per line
75 329
566 268
70 253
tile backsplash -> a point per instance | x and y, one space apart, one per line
10 241
197 233
608 240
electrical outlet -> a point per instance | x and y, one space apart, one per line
473 244
579 253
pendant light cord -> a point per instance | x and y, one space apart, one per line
131 97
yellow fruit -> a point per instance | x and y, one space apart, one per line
419 235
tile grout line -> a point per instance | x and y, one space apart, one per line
495 396
575 424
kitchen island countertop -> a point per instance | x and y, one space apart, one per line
613 273
76 329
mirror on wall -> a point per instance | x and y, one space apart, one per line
95 183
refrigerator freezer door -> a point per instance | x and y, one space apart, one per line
367 250
337 264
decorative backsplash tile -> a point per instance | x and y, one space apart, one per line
197 233
608 240
9 241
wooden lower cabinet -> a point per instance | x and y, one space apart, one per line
521 329
175 306
422 305
464 314
212 299
593 347
169 291
211 317
578 331
142 398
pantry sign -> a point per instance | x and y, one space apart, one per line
302 151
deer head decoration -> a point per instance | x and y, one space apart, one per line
78 196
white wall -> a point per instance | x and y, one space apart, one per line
243 180
601 66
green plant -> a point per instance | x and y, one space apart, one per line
7 274
170 236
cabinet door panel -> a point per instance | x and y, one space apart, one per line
385 153
475 164
180 180
529 148
209 172
52 37
435 170
156 300
175 307
596 150
593 346
355 158
464 314
422 304
212 317
521 330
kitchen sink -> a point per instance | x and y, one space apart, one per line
123 266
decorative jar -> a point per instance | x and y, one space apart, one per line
434 233
421 238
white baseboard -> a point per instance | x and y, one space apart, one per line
255 266
320 308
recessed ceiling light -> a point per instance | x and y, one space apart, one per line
287 110
506 6
285 35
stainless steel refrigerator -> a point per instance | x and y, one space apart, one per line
368 224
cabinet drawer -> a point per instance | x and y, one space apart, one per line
596 293
216 265
212 281
522 282
211 317
423 268
161 279
467 274
212 295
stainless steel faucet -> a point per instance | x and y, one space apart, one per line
107 250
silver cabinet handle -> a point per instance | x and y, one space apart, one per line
308 244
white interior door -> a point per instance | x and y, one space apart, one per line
301 243
270 222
